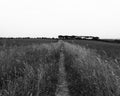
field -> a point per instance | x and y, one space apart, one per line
106 50
59 68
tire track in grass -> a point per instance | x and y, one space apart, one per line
62 88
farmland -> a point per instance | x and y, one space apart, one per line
106 50
59 68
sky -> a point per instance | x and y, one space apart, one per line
50 18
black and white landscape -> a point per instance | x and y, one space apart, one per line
60 68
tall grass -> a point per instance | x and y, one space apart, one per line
106 50
33 70
29 70
88 74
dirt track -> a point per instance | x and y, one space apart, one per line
62 87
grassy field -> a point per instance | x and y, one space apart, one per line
106 50
86 68
29 70
89 74
24 42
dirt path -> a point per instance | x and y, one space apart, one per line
62 88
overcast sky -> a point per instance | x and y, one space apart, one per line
50 18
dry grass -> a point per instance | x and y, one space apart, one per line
29 70
33 70
106 50
88 74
